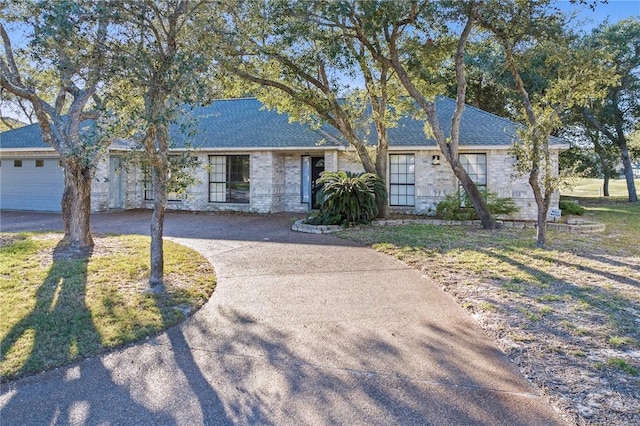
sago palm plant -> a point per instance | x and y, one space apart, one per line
348 197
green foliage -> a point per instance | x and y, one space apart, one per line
623 365
348 197
570 207
451 209
454 206
295 63
323 217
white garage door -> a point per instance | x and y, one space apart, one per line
30 184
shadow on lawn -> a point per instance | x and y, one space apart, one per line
61 330
613 262
595 296
59 327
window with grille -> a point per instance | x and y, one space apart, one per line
476 167
148 185
229 179
402 180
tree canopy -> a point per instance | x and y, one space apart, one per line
68 41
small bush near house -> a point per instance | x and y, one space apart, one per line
348 197
570 207
452 207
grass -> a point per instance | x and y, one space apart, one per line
590 187
580 298
57 310
623 365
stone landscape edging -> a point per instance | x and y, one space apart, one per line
577 227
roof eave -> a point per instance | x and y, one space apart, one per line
27 149
255 149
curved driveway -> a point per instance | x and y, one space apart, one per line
301 330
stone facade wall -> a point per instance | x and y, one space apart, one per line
292 183
349 162
100 186
276 183
262 181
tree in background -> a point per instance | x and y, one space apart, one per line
69 41
487 83
590 154
617 115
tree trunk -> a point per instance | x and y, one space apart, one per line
156 278
542 202
628 172
381 169
76 206
474 194
448 149
541 235
604 163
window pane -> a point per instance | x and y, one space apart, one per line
401 179
217 192
229 178
305 179
476 167
239 192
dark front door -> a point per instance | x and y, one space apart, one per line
317 167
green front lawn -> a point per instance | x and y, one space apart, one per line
56 310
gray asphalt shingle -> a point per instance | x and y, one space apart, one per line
245 123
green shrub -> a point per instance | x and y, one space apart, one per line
570 207
348 197
323 218
452 207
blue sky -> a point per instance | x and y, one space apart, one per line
613 10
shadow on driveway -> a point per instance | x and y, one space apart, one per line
302 329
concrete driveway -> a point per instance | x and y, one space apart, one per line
301 330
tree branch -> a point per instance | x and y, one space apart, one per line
595 123
461 83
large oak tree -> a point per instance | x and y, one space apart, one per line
70 41
618 114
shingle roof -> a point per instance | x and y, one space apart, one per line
245 123
22 137
477 127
